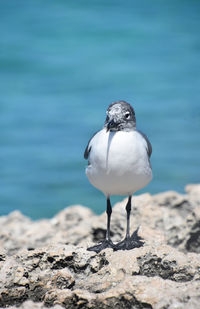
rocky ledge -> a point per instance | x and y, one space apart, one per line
46 263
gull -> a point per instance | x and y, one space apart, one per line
119 164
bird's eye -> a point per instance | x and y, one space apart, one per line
127 115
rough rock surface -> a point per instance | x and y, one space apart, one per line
46 263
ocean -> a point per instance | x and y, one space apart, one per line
62 63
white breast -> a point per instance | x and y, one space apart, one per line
118 162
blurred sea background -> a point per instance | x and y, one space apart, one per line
62 63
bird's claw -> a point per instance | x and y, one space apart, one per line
103 245
134 241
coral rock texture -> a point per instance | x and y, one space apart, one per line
45 263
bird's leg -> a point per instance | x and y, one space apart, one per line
128 212
107 242
129 242
109 212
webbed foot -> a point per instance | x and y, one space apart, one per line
103 245
134 241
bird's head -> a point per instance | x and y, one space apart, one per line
120 117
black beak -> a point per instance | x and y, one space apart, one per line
111 125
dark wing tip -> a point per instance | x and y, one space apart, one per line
87 151
149 147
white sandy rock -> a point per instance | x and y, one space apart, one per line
45 263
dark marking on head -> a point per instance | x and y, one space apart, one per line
120 117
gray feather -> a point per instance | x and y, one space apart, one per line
149 147
88 147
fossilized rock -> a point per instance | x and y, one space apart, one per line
46 263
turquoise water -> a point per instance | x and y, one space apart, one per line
62 63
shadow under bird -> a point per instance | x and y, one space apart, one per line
119 164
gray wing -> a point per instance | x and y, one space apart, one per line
88 147
149 147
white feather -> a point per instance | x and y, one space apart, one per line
118 162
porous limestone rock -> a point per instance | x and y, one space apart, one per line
45 263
